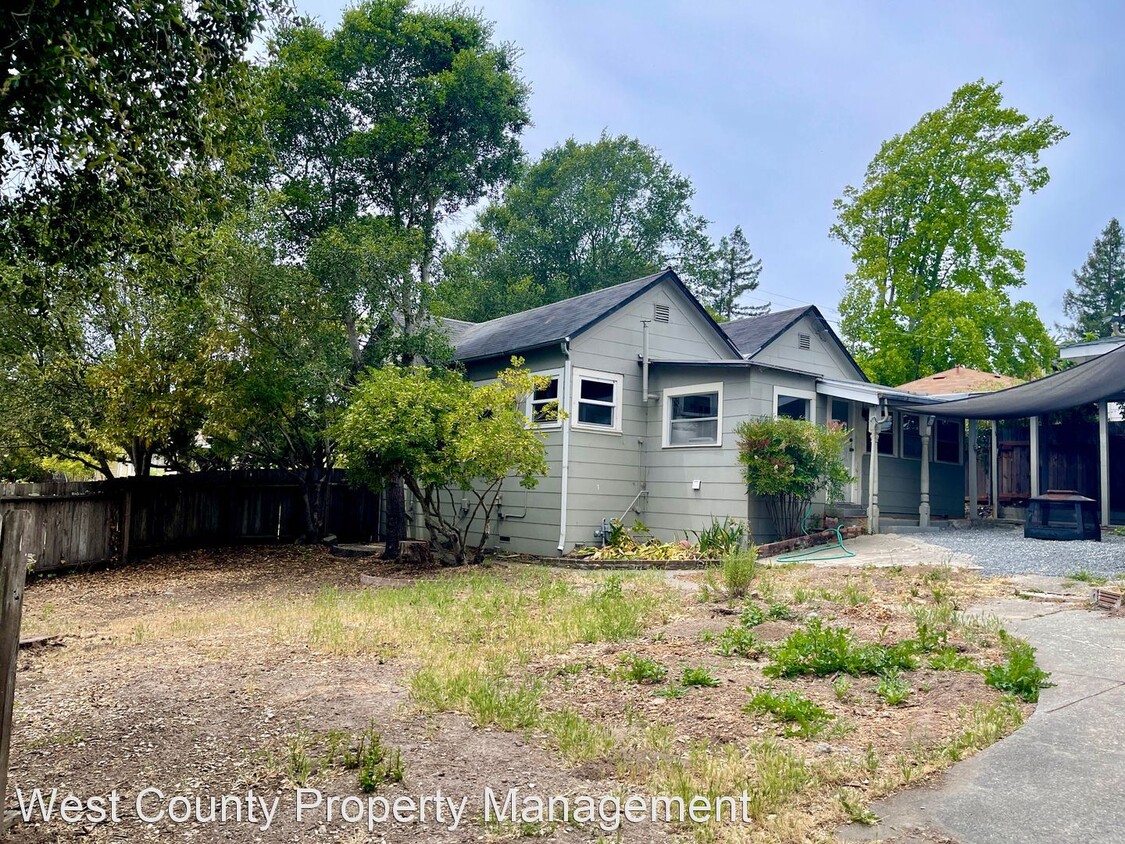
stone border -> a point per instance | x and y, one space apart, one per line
784 546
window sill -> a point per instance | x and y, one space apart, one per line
594 429
692 445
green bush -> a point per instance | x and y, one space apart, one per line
819 650
788 461
639 669
1020 675
805 718
739 569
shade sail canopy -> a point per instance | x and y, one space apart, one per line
1096 380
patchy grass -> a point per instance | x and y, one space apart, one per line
579 676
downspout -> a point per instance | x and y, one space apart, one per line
565 477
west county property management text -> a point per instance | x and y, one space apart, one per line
311 805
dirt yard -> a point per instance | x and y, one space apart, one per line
262 670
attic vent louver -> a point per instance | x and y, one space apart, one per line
661 313
804 342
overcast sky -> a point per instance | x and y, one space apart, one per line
771 109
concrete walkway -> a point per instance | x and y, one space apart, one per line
1059 779
889 549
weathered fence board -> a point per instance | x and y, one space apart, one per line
86 523
13 570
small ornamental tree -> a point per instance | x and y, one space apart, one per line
787 462
444 435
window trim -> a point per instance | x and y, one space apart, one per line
618 382
529 409
796 393
670 393
960 442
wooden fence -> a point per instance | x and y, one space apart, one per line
75 524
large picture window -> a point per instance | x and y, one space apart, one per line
597 400
947 440
543 405
693 416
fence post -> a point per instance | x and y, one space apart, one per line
13 572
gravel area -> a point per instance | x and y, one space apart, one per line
1003 550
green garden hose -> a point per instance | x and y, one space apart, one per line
817 554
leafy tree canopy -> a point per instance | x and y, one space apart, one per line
107 104
582 217
1098 294
926 230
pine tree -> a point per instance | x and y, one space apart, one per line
1099 287
733 271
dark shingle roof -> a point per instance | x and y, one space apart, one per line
546 325
752 334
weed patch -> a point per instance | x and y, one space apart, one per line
698 676
803 717
1020 675
820 650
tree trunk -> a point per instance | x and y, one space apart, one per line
395 496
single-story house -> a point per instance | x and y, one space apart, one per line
653 389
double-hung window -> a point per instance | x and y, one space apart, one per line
693 415
910 436
597 400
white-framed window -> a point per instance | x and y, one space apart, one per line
544 405
693 416
947 440
793 403
597 400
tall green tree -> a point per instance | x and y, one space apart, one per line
582 217
932 276
730 271
106 107
1098 294
383 128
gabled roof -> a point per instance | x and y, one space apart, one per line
550 325
753 334
959 379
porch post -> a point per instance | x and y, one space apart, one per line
995 469
1103 457
925 426
971 457
1034 446
873 481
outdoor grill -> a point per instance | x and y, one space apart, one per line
1062 514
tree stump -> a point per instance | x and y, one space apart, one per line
415 552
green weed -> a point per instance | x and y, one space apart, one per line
738 570
639 669
698 676
738 641
803 717
893 689
1020 675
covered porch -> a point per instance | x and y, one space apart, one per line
1075 439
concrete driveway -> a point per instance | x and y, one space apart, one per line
1058 779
